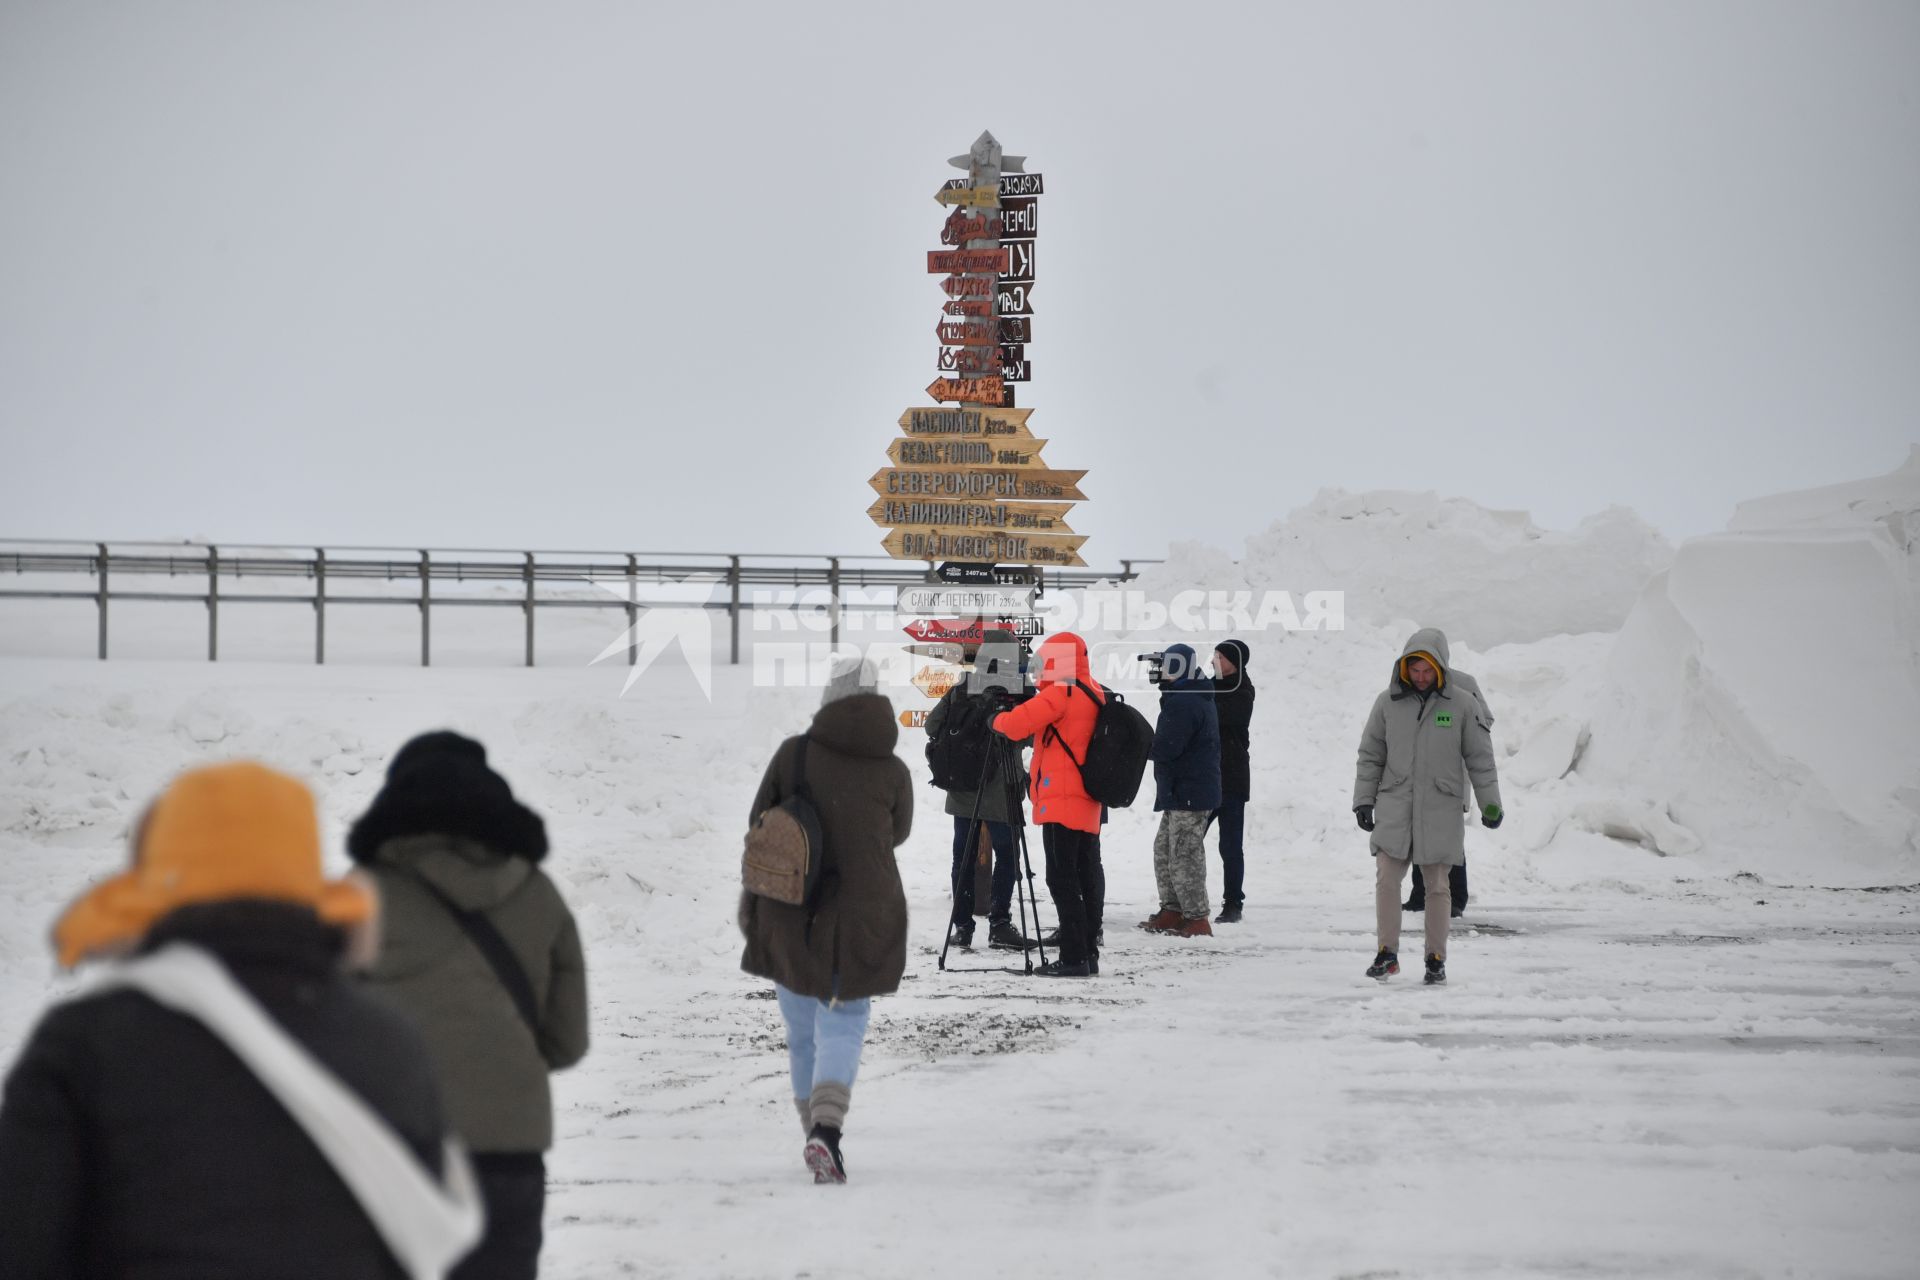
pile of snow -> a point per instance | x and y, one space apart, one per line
1484 577
1750 704
1765 692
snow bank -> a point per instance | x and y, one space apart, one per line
1484 577
1765 692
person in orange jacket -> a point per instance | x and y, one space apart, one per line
1059 718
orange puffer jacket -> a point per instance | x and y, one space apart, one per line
1054 784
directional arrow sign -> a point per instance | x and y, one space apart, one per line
911 452
994 546
966 602
942 652
970 631
913 719
998 482
1029 517
1019 261
972 308
980 333
969 197
942 262
935 681
968 286
1014 300
1011 184
961 227
992 424
990 390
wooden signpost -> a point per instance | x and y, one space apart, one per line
910 452
968 485
1032 517
1045 485
969 197
998 424
991 545
935 681
969 390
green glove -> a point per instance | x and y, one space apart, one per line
1492 816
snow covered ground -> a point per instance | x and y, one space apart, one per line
1669 1046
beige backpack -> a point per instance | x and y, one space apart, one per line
785 851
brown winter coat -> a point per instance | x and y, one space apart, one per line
864 795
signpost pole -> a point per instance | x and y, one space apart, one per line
733 604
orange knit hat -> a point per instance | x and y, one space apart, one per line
229 831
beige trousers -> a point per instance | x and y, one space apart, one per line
1388 876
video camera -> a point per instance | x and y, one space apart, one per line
1156 665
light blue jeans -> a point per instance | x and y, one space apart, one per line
823 1040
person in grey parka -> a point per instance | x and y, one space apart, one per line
1423 745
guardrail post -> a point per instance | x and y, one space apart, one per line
833 600
529 607
733 604
1126 570
633 609
213 604
103 600
426 611
319 606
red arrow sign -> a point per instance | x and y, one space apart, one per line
967 631
942 262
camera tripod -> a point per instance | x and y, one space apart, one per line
1002 769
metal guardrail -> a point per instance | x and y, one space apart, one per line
323 566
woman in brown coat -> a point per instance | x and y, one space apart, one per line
827 964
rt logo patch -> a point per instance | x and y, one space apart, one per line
1444 719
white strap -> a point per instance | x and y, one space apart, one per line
427 1227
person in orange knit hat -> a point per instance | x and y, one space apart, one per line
133 1130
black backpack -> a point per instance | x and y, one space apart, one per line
1116 753
957 754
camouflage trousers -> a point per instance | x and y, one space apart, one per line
1180 862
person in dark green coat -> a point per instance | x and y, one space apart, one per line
997 808
455 857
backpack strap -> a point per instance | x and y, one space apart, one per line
800 787
495 950
427 1222
1097 701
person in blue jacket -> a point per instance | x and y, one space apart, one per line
1186 791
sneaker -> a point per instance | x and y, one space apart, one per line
1007 937
1384 965
1061 969
961 935
822 1154
1436 970
1229 914
1196 927
1165 920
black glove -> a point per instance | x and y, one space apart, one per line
1363 814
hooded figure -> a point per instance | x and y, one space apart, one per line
1186 784
1233 701
471 926
1060 719
827 961
135 1140
1420 749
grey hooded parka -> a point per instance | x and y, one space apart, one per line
1417 756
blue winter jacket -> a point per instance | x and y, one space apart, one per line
1186 742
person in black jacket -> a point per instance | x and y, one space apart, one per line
1233 700
133 1142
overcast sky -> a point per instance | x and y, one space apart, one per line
652 276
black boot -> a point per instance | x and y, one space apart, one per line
1062 969
1006 937
962 933
822 1154
1229 914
